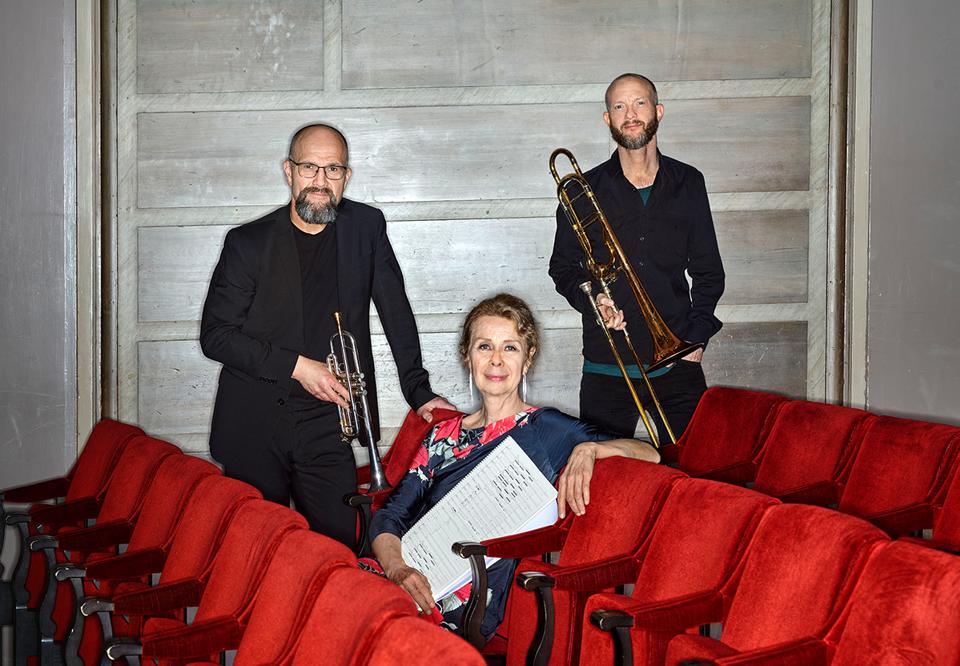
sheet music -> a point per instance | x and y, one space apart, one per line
505 494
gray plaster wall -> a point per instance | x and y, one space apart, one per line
913 352
37 239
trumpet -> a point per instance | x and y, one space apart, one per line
344 363
582 210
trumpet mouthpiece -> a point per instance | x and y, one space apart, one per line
586 287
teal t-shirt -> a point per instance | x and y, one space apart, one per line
645 193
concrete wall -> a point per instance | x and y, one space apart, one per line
913 350
37 239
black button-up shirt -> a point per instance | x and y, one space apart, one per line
670 236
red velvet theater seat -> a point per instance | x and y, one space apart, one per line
82 490
809 450
684 579
297 573
167 496
726 434
625 499
413 642
799 572
209 512
351 609
224 604
905 611
115 521
900 471
88 476
946 529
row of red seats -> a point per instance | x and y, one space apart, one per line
894 472
259 581
789 583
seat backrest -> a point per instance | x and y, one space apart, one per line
349 611
91 473
169 491
131 477
946 531
905 610
807 449
625 497
699 539
726 432
413 642
242 559
208 513
413 430
800 569
902 464
297 572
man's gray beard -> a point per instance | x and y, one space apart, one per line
316 213
635 143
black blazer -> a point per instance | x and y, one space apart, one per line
252 319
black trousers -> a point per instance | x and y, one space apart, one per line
305 461
605 401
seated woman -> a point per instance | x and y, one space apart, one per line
498 345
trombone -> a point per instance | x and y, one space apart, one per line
572 189
355 422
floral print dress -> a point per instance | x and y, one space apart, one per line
448 454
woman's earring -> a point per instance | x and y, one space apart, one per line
470 375
524 388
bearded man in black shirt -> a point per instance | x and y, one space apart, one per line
658 208
268 318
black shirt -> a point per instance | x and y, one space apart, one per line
318 279
671 234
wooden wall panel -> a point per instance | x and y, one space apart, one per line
412 43
764 252
177 383
767 356
742 145
452 109
224 45
461 153
175 264
765 255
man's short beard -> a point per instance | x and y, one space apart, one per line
316 213
639 141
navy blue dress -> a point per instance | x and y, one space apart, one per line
448 454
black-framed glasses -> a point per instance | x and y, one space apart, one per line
310 170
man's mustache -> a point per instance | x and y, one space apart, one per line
319 190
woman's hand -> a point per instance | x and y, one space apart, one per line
573 488
386 548
415 583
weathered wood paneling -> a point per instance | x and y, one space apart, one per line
461 153
766 356
177 383
765 255
452 109
764 252
740 145
414 43
176 387
224 45
175 264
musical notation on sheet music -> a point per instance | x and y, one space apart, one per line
505 494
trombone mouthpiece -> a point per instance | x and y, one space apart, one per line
586 287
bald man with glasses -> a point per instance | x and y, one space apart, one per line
268 319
